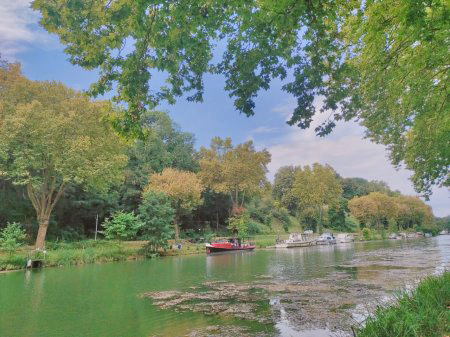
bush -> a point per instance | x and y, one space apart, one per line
282 214
368 234
122 226
12 237
239 225
156 214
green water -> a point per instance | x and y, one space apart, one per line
103 300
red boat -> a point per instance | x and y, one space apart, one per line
229 244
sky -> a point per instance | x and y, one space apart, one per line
42 58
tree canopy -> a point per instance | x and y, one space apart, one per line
316 187
183 188
237 171
381 210
384 63
51 136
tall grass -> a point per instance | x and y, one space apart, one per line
422 313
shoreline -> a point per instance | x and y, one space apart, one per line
99 252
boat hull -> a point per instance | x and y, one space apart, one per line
300 244
211 249
326 242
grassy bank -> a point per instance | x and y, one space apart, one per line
90 251
424 312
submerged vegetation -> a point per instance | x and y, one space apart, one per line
423 312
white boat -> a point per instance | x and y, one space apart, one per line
345 237
443 232
428 235
326 239
297 240
393 236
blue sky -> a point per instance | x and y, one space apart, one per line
43 58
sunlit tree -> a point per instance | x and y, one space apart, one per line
237 171
183 188
52 136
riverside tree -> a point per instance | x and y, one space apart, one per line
183 188
52 136
376 209
317 188
384 63
237 171
157 216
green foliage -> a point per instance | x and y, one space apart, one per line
12 262
122 226
337 215
165 146
316 189
156 214
52 136
368 234
282 214
381 211
238 225
238 171
424 312
12 237
282 188
357 187
384 63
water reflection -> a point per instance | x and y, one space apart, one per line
102 300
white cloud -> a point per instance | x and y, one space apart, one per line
286 108
348 152
18 27
264 129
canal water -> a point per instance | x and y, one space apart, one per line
311 291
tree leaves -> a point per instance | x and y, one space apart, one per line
384 63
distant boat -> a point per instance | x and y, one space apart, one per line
297 240
326 239
393 236
443 232
345 237
428 235
228 244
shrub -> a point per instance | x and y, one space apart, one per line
239 225
122 226
368 234
12 237
156 214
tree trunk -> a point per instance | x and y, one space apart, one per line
44 201
320 220
177 229
42 232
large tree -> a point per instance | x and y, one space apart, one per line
237 171
183 188
382 62
164 146
317 188
376 209
282 187
52 136
411 211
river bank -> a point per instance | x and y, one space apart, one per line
103 251
423 312
91 252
